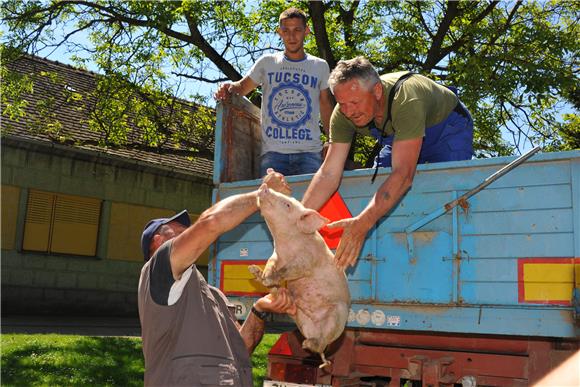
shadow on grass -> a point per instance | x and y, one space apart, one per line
111 361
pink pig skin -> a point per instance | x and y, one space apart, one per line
302 259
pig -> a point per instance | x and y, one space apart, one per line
302 259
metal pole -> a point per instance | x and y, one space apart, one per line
490 179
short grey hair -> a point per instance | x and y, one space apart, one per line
359 68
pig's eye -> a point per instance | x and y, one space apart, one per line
287 205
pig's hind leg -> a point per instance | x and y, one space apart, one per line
318 328
315 345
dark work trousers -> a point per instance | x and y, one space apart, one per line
450 140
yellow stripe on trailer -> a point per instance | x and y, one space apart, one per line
547 280
237 280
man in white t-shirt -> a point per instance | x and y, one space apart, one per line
295 95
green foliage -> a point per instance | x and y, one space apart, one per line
515 63
13 87
260 358
569 134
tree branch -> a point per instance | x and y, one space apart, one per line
434 53
316 10
347 18
467 35
199 41
417 5
196 38
202 79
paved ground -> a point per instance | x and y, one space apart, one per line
92 326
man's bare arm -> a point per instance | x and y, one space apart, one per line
253 328
219 218
241 87
326 180
404 164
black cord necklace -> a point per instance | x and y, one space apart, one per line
392 93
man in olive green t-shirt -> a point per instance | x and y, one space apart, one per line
426 123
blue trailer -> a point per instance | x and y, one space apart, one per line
485 292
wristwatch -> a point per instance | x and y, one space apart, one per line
261 315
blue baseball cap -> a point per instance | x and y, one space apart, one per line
153 225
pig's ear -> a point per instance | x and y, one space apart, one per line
311 221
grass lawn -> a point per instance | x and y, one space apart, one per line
66 360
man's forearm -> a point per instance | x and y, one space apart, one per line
243 86
322 186
219 218
252 331
387 196
326 180
231 211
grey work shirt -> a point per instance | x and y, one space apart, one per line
194 341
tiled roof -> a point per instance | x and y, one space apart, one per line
75 131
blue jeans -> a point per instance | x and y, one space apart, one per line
290 163
449 140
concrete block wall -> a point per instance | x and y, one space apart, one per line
51 284
46 284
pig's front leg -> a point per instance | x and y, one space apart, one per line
269 277
292 271
291 267
256 272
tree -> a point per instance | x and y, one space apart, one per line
514 63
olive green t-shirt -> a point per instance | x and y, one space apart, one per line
418 104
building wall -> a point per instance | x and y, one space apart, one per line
130 194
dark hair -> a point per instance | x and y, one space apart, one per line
291 13
358 68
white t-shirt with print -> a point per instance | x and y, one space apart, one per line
290 101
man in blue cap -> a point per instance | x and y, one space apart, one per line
190 337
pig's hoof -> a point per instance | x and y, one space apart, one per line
325 362
314 345
256 271
270 283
